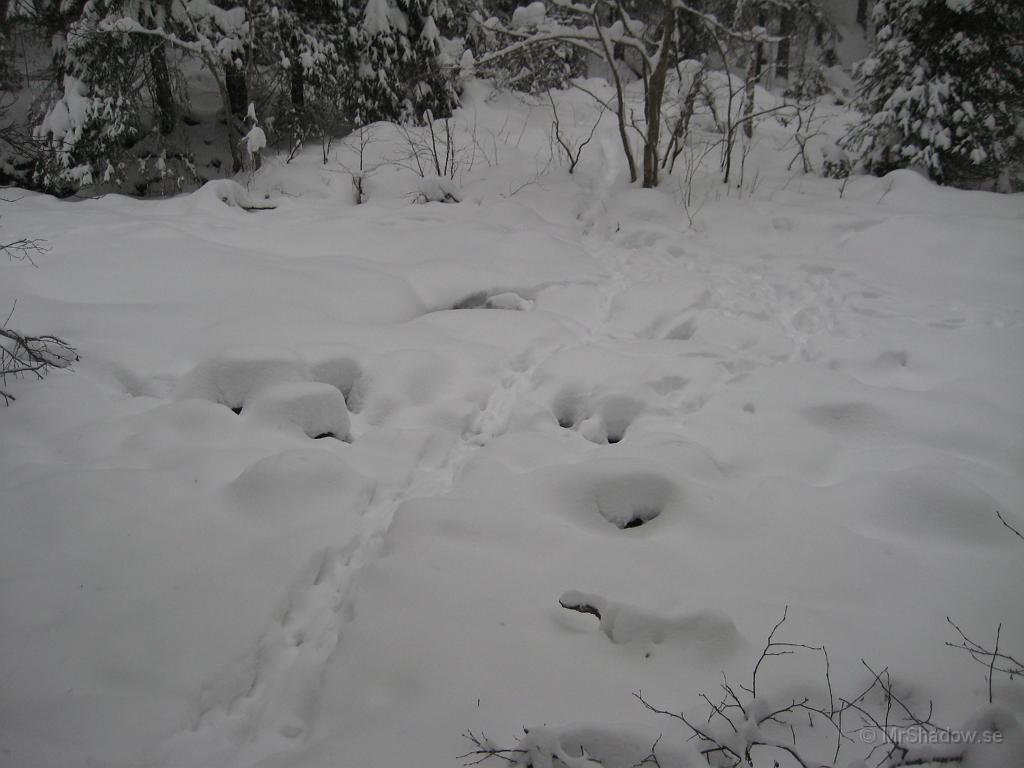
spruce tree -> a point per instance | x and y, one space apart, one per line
428 88
944 91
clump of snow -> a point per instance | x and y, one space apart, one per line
255 140
224 192
438 189
527 16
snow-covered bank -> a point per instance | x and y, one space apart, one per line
806 398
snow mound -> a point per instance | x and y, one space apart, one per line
340 371
316 409
302 486
226 192
231 377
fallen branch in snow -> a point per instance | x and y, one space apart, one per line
23 249
37 355
485 750
579 605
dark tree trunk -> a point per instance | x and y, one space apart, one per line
786 28
298 84
654 97
167 113
238 90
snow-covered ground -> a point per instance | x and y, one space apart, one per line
314 490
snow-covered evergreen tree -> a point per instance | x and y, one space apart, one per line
97 114
377 94
944 90
429 88
403 73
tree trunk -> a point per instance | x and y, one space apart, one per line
238 89
752 74
167 113
786 28
620 98
655 95
298 84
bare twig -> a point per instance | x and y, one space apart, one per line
994 660
485 750
35 355
1003 521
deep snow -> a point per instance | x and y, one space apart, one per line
808 396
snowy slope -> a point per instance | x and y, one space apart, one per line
808 397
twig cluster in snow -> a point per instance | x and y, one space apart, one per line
744 721
993 660
36 355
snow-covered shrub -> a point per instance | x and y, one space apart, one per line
530 69
944 91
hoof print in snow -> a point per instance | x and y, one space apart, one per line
602 420
632 499
610 418
569 407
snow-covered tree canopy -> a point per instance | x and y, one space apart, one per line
944 90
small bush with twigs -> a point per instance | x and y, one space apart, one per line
748 725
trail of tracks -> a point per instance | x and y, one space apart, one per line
273 711
270 707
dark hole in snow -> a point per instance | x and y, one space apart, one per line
495 298
612 440
640 517
237 410
684 331
476 300
566 423
324 435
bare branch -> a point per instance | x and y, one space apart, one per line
36 355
